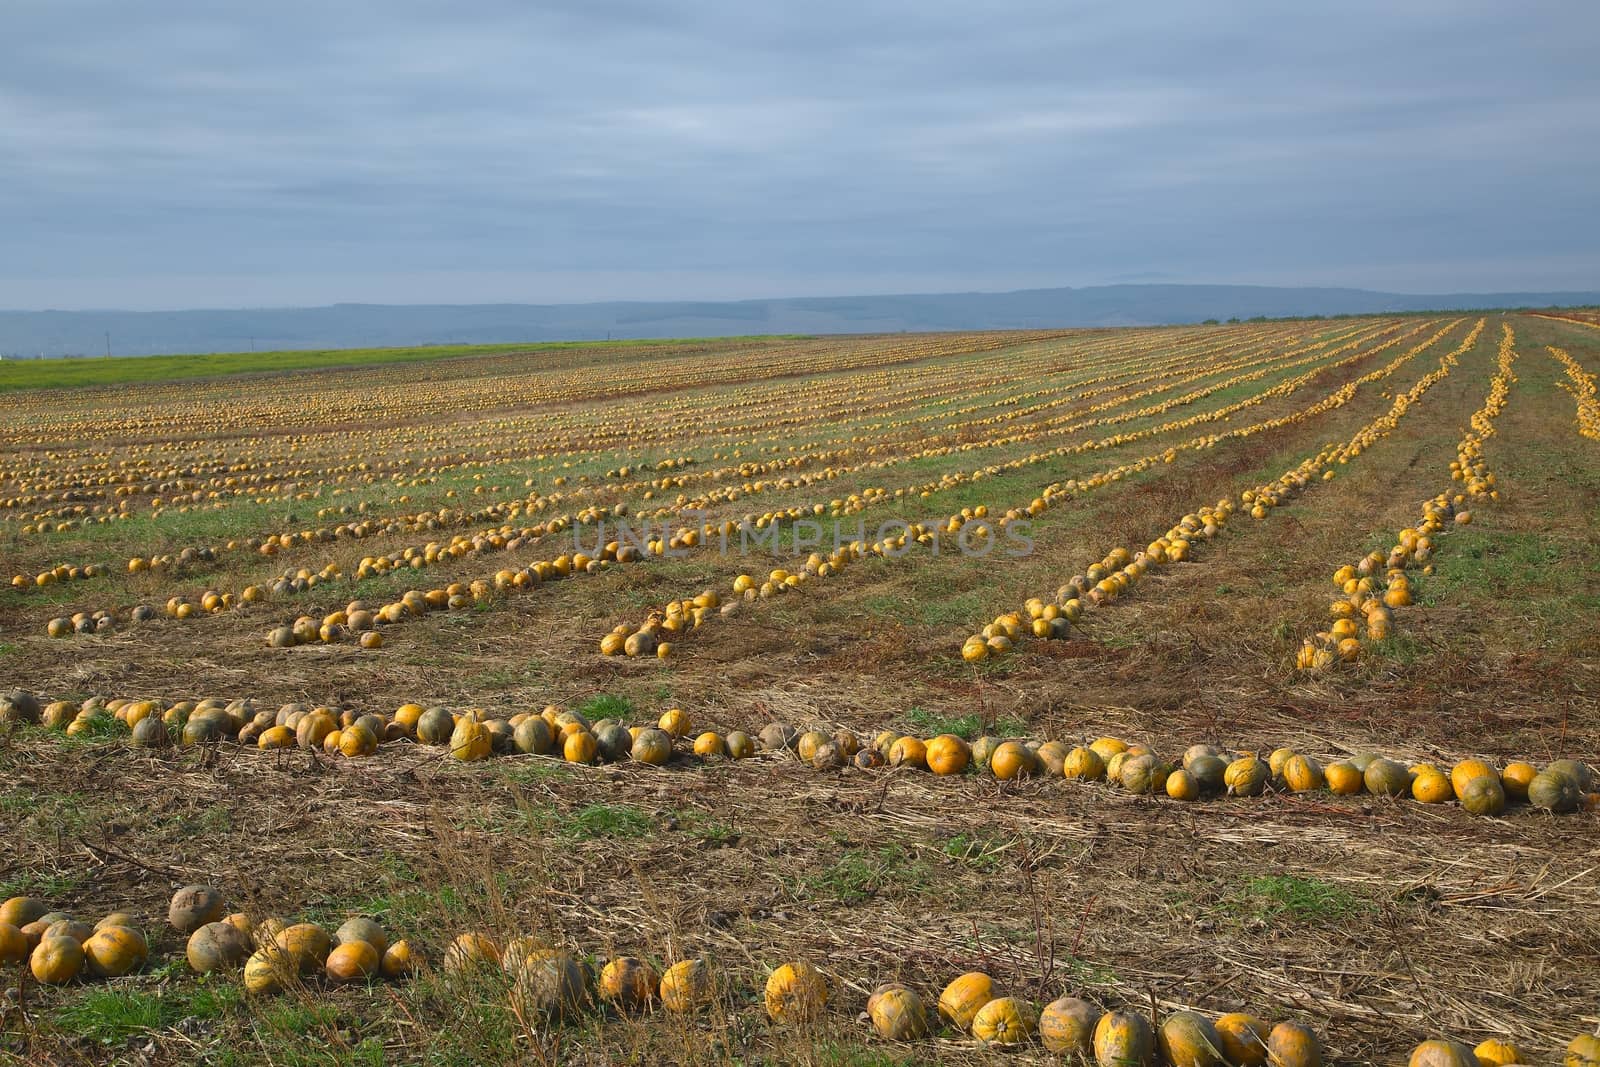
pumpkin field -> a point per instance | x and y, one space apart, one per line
1199 695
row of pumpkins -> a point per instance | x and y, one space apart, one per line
969 526
1363 600
545 982
1563 786
1121 569
1584 392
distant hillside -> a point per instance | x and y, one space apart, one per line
55 333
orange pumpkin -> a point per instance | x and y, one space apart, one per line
962 998
947 754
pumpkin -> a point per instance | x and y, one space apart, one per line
870 759
796 993
849 744
1484 795
1084 765
435 726
117 918
1515 779
1583 1051
1247 777
908 752
397 961
628 983
352 961
1011 760
268 970
1106 747
56 960
20 911
1210 774
1194 752
361 928
779 737
357 741
676 722
808 743
1182 786
193 906
827 757
613 742
1496 1053
532 736
1554 792
1343 778
1578 772
1123 1040
1242 1039
962 998
1189 1040
1052 756
1431 787
1465 771
1386 778
1302 774
469 741
304 945
947 754
217 946
151 732
1293 1045
1279 759
1066 1026
580 747
982 749
469 951
1004 1021
710 744
897 1013
76 929
740 745
686 986
1440 1052
274 738
653 746
312 730
1144 774
13 945
115 951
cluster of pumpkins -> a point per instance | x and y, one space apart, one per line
61 572
1584 393
1364 605
57 948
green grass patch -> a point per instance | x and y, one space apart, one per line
859 875
112 1016
1271 896
606 706
606 820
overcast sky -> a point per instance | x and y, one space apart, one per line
161 154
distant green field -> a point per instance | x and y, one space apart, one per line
123 370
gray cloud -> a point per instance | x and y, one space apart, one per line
175 154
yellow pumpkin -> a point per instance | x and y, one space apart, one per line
628 983
1084 765
20 911
469 741
1516 778
1583 1051
1465 771
1243 1039
908 752
897 1013
1246 777
1431 787
56 960
1011 760
1004 1021
353 961
471 951
796 993
710 744
1066 1027
305 945
1343 779
686 986
269 970
1106 747
1496 1053
580 747
1123 1040
397 961
1440 1052
13 945
947 754
115 951
1182 786
1302 774
1292 1045
962 998
1188 1040
676 722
